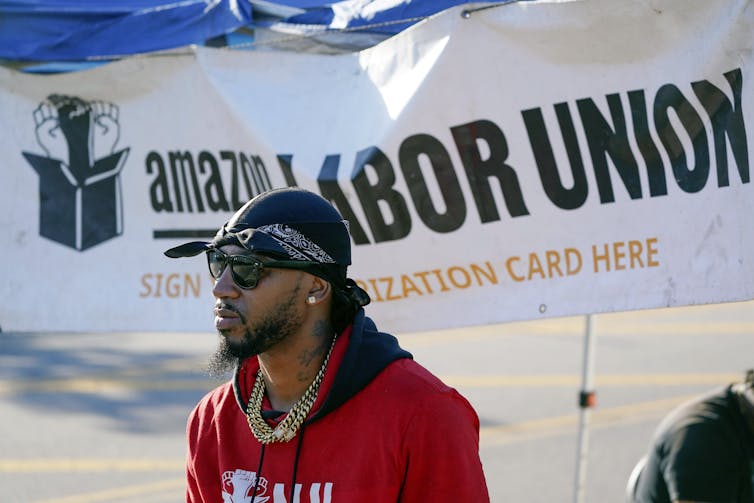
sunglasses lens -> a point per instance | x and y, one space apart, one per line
245 270
245 274
216 261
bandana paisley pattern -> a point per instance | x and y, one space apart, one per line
296 244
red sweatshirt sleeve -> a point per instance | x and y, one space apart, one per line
442 449
202 476
193 494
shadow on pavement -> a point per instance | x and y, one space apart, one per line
137 389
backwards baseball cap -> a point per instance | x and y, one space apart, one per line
286 224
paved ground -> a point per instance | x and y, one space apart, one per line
100 417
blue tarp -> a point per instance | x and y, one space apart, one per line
69 30
92 30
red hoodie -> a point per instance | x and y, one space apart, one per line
383 430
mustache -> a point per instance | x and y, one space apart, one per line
224 306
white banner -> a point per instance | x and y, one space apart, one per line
529 160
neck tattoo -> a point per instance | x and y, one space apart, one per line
286 430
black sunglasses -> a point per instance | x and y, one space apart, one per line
246 270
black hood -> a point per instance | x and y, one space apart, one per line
369 351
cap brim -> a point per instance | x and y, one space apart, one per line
188 249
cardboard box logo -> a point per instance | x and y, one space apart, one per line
80 195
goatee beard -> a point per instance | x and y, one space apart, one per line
276 326
223 361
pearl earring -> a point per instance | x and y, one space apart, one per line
311 299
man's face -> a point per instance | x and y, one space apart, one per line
253 321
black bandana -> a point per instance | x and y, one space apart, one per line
288 224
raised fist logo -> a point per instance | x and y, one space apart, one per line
238 487
80 192
74 131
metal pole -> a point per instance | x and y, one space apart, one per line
586 402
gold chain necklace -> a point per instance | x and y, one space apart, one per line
285 430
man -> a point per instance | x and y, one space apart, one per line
323 408
703 451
